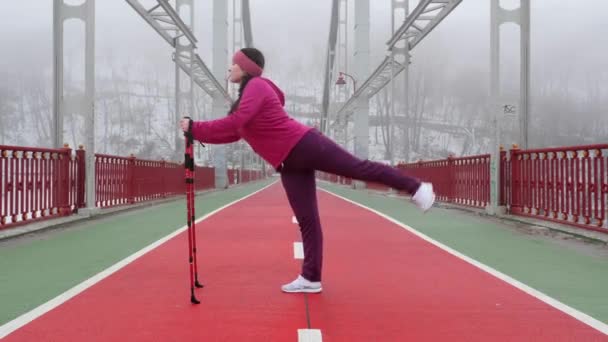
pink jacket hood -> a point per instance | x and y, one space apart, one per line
276 90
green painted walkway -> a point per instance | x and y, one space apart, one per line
34 270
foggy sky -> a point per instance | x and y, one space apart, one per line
293 34
569 46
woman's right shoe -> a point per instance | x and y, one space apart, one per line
302 285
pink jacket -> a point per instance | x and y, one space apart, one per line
260 120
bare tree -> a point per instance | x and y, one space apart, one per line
7 112
383 112
41 113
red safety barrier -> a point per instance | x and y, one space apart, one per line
155 179
80 178
240 176
113 179
245 176
39 183
232 176
566 185
336 179
437 172
504 195
371 185
463 181
128 180
204 178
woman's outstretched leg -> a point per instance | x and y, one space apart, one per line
301 190
318 152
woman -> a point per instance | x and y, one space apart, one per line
296 151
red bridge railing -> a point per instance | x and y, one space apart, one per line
464 181
128 180
41 183
237 176
566 185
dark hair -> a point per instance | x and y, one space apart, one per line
258 58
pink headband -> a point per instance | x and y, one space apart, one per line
246 64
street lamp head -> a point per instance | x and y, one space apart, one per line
341 80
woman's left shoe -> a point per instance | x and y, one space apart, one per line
302 285
424 197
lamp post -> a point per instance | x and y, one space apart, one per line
342 81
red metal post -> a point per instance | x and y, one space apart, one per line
81 177
451 180
130 179
516 180
64 181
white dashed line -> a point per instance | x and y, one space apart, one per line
309 335
298 250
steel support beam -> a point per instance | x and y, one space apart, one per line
329 64
220 61
167 22
499 16
81 103
361 69
246 20
423 19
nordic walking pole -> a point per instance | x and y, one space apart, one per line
192 206
189 169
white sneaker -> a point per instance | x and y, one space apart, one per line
301 285
424 197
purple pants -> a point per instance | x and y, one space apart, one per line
317 152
